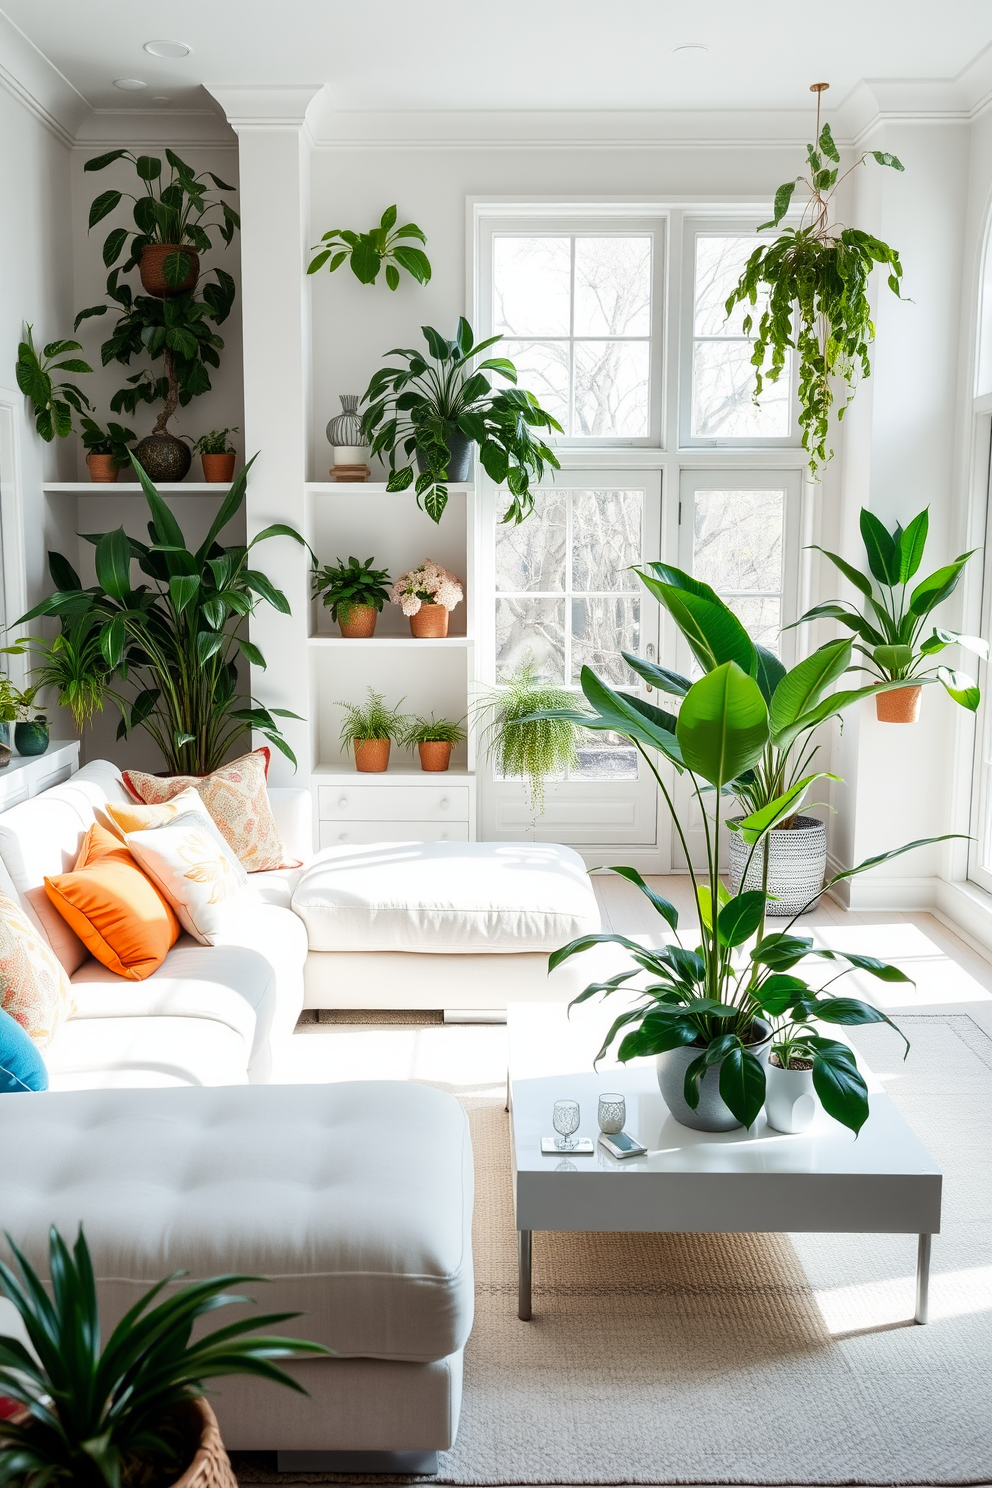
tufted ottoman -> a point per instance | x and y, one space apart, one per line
454 925
355 1199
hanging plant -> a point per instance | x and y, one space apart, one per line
815 277
367 252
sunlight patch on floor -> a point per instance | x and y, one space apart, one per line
939 979
443 1055
878 1304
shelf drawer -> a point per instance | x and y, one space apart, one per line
340 834
394 803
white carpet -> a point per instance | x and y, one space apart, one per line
742 1359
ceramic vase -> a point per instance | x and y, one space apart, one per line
31 736
797 862
711 1114
163 457
790 1100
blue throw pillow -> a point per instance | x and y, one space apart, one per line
21 1066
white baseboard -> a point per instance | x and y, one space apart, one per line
879 892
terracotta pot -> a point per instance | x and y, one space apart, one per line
360 624
218 467
371 755
211 1466
901 705
102 467
152 269
430 622
435 754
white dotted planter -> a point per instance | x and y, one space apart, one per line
797 862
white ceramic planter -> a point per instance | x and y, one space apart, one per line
797 861
711 1114
790 1101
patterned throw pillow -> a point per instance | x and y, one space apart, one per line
34 988
189 862
138 818
236 798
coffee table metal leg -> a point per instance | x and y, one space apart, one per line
923 1278
524 1275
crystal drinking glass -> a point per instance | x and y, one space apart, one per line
566 1121
612 1113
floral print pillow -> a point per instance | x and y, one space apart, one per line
34 988
192 866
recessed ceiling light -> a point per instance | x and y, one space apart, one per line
167 48
130 85
691 46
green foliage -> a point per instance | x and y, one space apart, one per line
421 730
419 407
53 402
736 989
892 639
113 440
72 666
367 252
373 719
172 209
177 641
528 734
815 277
351 583
103 1417
215 443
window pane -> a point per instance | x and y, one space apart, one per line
531 630
601 628
542 368
604 757
761 618
722 395
612 286
737 539
532 555
611 389
719 264
606 538
531 286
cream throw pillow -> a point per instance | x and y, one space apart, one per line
196 871
34 988
130 818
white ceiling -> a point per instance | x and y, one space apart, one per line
507 54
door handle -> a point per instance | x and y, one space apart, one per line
649 652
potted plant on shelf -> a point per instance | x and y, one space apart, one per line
172 223
794 849
427 595
367 252
106 449
217 454
708 1012
52 402
134 1411
890 640
176 641
370 727
354 593
438 405
9 703
433 739
529 731
31 733
812 282
72 665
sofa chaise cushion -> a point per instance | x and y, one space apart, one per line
449 897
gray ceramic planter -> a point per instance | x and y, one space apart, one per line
711 1114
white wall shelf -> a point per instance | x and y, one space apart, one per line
395 775
132 488
29 774
391 641
372 488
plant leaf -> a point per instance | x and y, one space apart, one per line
722 725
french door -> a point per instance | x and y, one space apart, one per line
561 594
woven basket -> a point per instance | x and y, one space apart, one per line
797 861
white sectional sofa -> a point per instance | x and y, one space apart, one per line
210 1015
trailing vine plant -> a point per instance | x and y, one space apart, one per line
815 277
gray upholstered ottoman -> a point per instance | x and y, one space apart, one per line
354 1198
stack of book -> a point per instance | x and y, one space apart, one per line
350 472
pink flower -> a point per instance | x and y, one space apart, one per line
428 584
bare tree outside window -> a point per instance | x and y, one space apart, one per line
738 550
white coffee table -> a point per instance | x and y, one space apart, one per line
731 1182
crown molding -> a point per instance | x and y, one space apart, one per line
265 106
36 83
206 128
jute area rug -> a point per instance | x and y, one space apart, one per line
757 1359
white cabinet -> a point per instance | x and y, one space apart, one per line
29 775
405 805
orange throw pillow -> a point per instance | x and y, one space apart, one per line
114 908
236 801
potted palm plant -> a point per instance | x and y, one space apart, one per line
132 1413
709 1012
436 406
369 728
794 850
176 642
354 593
433 738
890 639
529 730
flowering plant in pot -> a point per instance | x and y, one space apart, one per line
131 1414
354 593
438 405
890 641
217 454
427 595
434 739
370 728
794 850
707 1013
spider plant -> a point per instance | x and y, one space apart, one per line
521 744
